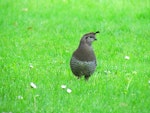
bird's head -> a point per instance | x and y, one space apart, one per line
89 38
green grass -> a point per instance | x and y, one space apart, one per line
45 33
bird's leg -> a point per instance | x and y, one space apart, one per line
86 77
78 77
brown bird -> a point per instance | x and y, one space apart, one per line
83 61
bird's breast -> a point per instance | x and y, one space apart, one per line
82 67
84 55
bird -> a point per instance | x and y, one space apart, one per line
83 60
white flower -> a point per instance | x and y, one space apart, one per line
20 97
69 90
25 9
127 57
37 95
30 65
63 86
134 72
33 85
107 72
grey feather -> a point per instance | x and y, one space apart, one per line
83 60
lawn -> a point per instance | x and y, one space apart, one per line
38 37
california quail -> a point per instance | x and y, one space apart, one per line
83 61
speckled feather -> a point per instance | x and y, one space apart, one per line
80 68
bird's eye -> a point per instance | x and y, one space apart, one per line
89 37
